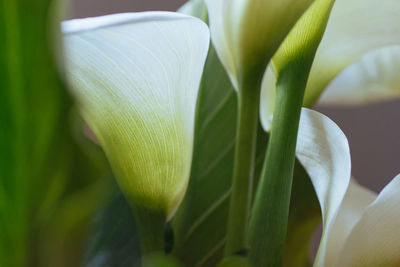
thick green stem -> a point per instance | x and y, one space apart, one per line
239 210
269 219
151 231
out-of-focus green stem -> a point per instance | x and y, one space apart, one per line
239 210
14 237
150 227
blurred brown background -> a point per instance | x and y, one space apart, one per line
373 131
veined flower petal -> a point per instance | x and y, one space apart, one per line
136 77
246 33
323 150
375 239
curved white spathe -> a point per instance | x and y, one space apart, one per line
364 36
374 77
366 229
375 238
355 28
355 202
135 77
246 33
359 228
323 150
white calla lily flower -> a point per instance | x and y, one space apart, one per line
374 77
358 54
246 33
136 77
359 228
373 238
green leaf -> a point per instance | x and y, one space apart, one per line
114 240
32 108
71 202
201 220
200 224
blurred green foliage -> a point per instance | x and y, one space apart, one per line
50 176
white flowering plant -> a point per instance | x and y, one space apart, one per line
188 138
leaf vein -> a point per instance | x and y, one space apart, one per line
218 109
204 216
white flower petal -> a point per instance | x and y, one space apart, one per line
355 202
374 77
136 78
355 28
323 150
247 33
375 239
76 26
219 14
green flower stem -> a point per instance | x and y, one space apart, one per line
267 230
239 210
150 226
